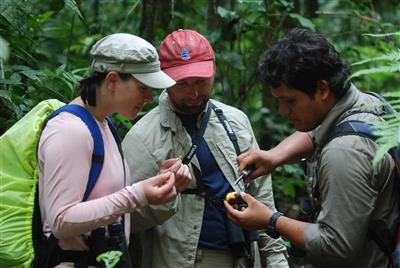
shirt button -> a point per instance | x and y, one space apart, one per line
195 227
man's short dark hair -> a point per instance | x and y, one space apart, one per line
300 60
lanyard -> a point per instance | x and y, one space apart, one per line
199 134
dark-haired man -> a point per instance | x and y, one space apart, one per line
353 200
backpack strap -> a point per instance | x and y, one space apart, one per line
98 145
360 128
353 127
117 139
386 105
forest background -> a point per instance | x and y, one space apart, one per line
44 52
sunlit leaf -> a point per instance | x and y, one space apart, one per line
226 14
5 94
234 59
303 21
32 74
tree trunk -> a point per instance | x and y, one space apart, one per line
146 28
213 19
164 16
311 6
267 99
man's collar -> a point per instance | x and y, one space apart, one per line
334 115
168 117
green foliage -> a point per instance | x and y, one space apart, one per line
388 63
382 63
109 258
388 131
288 182
33 72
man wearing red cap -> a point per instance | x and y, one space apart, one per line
194 230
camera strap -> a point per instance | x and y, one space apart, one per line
200 190
227 127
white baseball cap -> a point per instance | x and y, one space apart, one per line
130 54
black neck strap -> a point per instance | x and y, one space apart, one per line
227 126
199 134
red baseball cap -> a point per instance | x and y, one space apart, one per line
186 53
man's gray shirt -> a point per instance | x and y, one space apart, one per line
354 195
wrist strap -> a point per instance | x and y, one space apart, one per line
271 227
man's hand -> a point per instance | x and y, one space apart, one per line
263 161
160 189
255 216
182 174
291 150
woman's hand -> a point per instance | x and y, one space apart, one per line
160 189
181 171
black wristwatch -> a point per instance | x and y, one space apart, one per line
271 226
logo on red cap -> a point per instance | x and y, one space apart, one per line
185 54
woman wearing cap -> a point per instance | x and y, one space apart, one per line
126 68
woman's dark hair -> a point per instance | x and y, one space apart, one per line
89 85
300 60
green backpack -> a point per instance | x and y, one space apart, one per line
19 176
20 229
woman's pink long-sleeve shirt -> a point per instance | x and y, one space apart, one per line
64 157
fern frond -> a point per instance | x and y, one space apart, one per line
382 150
392 94
381 69
388 135
382 35
388 130
391 57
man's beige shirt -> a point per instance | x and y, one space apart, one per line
170 233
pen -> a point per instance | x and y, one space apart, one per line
245 173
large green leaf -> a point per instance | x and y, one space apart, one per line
234 59
303 21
